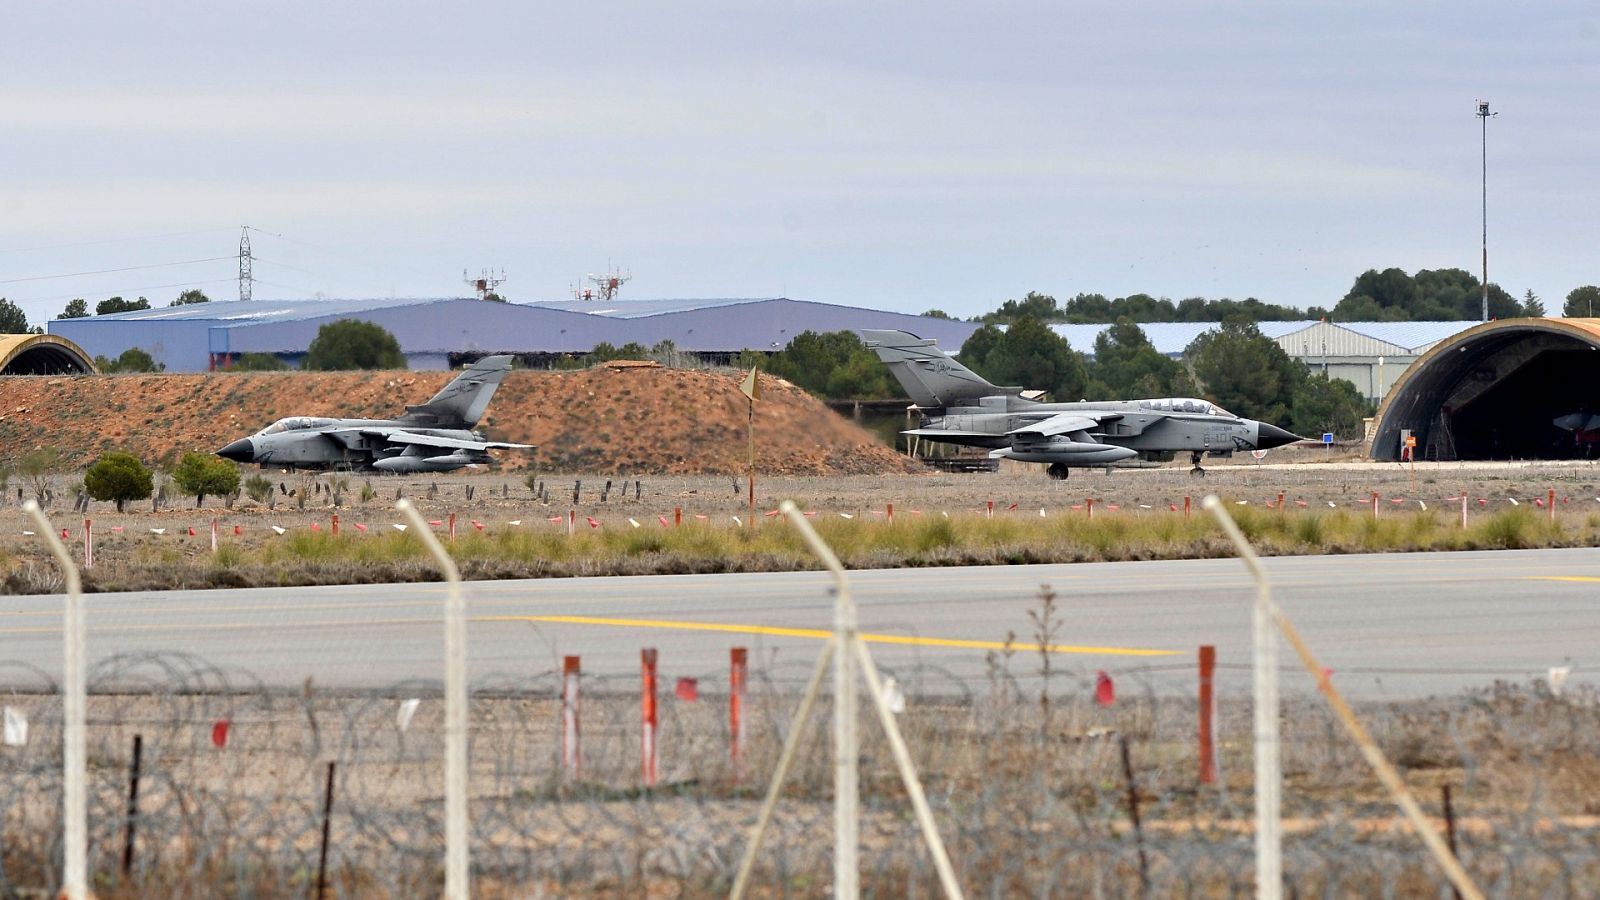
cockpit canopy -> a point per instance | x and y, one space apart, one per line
295 423
1186 405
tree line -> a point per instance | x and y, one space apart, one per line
1234 365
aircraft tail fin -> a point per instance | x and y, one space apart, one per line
930 376
462 402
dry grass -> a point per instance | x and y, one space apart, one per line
937 521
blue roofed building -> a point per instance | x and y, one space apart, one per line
440 333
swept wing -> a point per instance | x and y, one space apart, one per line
400 436
1065 423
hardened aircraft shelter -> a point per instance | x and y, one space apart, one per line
1495 391
43 354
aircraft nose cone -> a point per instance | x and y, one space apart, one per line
1269 436
239 451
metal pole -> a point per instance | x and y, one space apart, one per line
1483 116
457 883
846 834
1269 772
74 815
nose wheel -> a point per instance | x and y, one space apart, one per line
1058 471
1196 472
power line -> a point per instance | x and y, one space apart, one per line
187 262
121 240
117 292
287 266
384 269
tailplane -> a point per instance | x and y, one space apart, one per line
931 377
462 402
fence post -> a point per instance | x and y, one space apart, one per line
648 750
737 673
1267 612
1264 659
327 823
74 812
133 805
457 876
1208 752
571 755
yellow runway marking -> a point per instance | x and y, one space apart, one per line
821 634
1588 578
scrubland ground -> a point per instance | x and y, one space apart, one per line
506 528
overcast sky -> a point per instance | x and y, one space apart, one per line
904 156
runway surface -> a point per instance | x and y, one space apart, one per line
1392 626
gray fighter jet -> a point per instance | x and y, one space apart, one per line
959 407
434 437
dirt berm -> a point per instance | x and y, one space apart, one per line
602 420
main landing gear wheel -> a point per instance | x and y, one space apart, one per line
1058 471
1196 472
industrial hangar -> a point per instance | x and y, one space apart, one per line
441 333
1495 391
1369 355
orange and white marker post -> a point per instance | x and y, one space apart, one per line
334 525
572 522
88 544
452 525
1088 504
677 516
649 751
571 757
1463 509
1186 506
1550 503
1374 504
738 671
890 513
1208 753
214 526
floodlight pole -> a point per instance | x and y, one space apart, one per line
1483 116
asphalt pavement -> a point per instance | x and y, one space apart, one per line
1388 626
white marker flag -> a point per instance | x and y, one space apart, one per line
407 709
16 727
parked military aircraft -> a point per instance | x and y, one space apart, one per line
960 407
434 437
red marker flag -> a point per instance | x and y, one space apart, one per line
663 521
191 531
219 733
476 524
688 689
1105 693
592 522
315 527
361 528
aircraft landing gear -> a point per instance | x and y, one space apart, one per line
1058 471
1196 472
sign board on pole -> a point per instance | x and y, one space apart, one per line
1327 437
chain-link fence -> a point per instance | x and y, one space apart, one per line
1028 784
